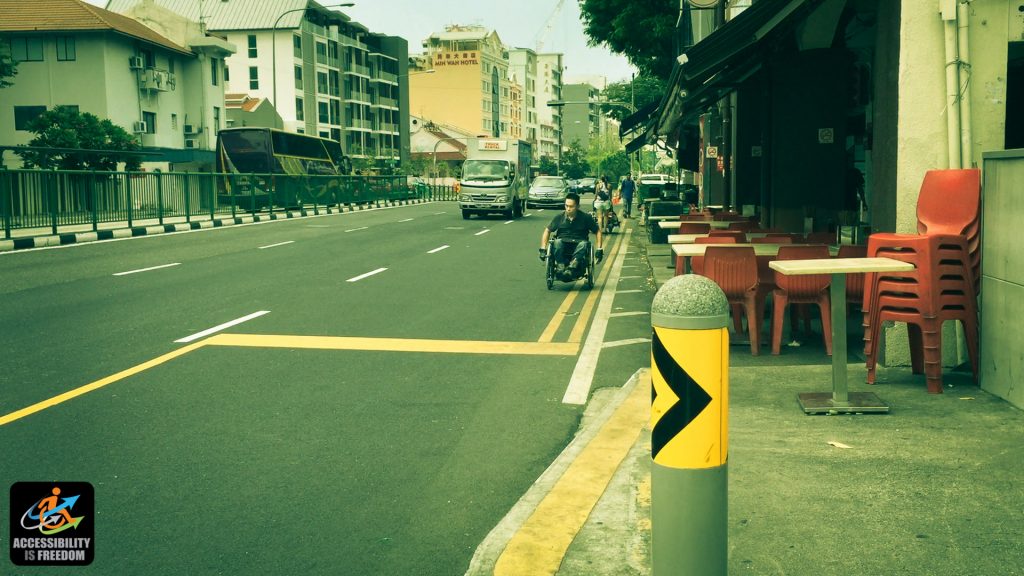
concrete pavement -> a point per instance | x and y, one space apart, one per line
934 487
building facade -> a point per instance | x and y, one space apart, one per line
163 84
325 74
549 118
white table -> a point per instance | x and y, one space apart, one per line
840 400
674 222
689 250
691 238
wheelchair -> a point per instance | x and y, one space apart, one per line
552 274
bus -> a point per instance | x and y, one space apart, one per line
265 167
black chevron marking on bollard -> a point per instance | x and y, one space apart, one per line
692 398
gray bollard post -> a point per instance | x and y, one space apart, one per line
689 428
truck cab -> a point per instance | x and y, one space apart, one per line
495 178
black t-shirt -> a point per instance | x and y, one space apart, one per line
576 229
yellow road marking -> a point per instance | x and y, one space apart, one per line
539 546
39 406
549 333
393 344
581 322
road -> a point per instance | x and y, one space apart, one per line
393 384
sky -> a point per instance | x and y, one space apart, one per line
519 24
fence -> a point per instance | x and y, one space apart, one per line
51 199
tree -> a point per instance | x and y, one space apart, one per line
641 30
641 92
547 165
574 161
8 67
66 127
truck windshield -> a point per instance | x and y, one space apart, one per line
485 170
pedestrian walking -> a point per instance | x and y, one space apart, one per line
626 191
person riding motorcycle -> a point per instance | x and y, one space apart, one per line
572 230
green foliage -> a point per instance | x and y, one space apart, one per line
8 67
643 90
548 165
615 166
641 30
574 161
65 127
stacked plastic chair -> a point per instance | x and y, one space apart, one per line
697 262
694 228
734 269
801 289
944 283
739 235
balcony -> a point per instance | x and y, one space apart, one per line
357 69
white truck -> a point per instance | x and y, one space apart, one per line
495 177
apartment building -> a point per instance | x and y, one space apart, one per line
325 74
162 83
549 87
522 64
581 115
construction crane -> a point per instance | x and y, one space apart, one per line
548 24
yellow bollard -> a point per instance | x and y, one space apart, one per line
689 428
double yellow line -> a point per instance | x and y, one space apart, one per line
576 335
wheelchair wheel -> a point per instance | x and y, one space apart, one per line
550 269
588 282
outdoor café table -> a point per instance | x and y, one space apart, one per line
673 223
689 250
691 238
840 401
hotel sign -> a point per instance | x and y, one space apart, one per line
456 59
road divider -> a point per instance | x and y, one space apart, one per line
220 327
146 269
367 275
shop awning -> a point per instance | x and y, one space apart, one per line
719 63
637 119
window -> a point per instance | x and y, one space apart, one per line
213 70
297 46
298 77
334 83
65 48
25 114
150 119
170 65
336 134
325 135
174 121
26 49
254 78
227 77
300 113
216 118
148 58
252 46
321 53
321 83
322 112
335 111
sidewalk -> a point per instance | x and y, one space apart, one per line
932 488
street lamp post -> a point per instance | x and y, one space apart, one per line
273 42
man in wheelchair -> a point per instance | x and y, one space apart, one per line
571 245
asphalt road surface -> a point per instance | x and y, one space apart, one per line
363 393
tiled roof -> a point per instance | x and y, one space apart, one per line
70 15
238 14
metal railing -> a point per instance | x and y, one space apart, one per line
52 200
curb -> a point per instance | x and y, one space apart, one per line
136 231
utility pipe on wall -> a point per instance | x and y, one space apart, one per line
964 82
948 12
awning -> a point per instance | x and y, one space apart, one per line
719 63
636 143
634 120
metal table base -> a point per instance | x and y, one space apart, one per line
857 403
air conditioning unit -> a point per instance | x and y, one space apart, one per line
139 127
154 80
136 62
191 143
192 129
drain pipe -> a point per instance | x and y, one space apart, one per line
964 82
948 12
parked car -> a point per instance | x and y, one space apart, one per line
547 191
586 185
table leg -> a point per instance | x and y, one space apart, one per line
840 396
840 401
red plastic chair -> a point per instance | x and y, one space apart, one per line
697 262
734 269
694 228
739 235
819 238
854 282
940 288
803 289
